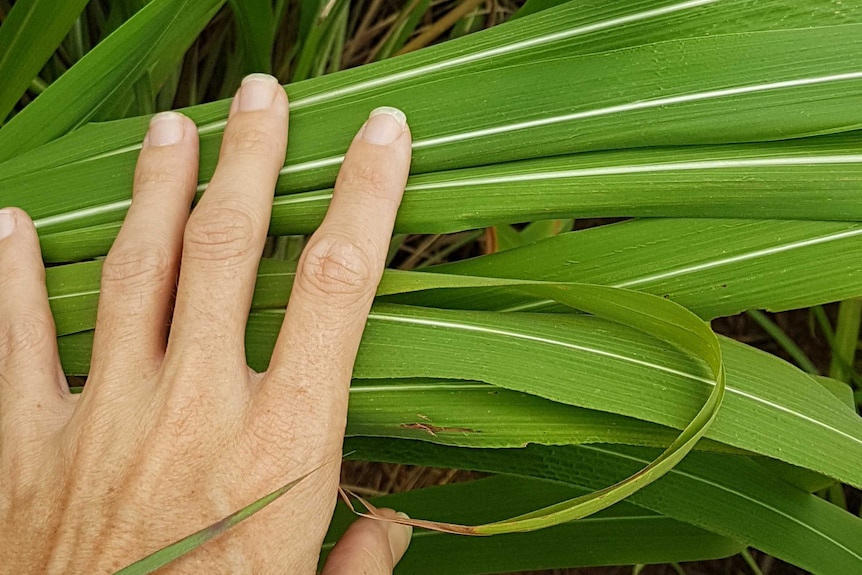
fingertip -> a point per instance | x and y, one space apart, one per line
166 129
399 537
260 92
8 223
370 546
385 126
14 222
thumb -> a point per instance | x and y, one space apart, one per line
369 547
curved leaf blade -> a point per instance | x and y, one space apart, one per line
728 495
624 533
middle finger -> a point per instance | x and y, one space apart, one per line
225 234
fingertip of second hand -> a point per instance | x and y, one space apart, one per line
384 126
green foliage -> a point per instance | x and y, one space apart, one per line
733 128
28 38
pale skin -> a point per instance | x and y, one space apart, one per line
173 430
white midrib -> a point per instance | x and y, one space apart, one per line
306 197
607 111
641 169
548 341
527 44
677 471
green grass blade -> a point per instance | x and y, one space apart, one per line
746 263
462 345
28 37
153 562
758 381
165 63
811 178
659 318
319 29
651 315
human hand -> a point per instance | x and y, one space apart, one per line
173 431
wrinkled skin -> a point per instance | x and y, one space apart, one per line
173 430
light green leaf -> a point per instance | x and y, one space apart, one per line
809 178
645 77
474 414
502 349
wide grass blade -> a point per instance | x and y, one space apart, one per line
810 178
713 267
474 414
645 77
759 384
727 495
29 35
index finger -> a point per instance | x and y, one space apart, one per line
338 275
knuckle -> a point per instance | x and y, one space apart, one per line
219 233
144 265
158 176
26 336
333 264
249 140
365 178
17 269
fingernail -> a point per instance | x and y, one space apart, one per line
166 129
384 125
399 537
257 92
7 224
